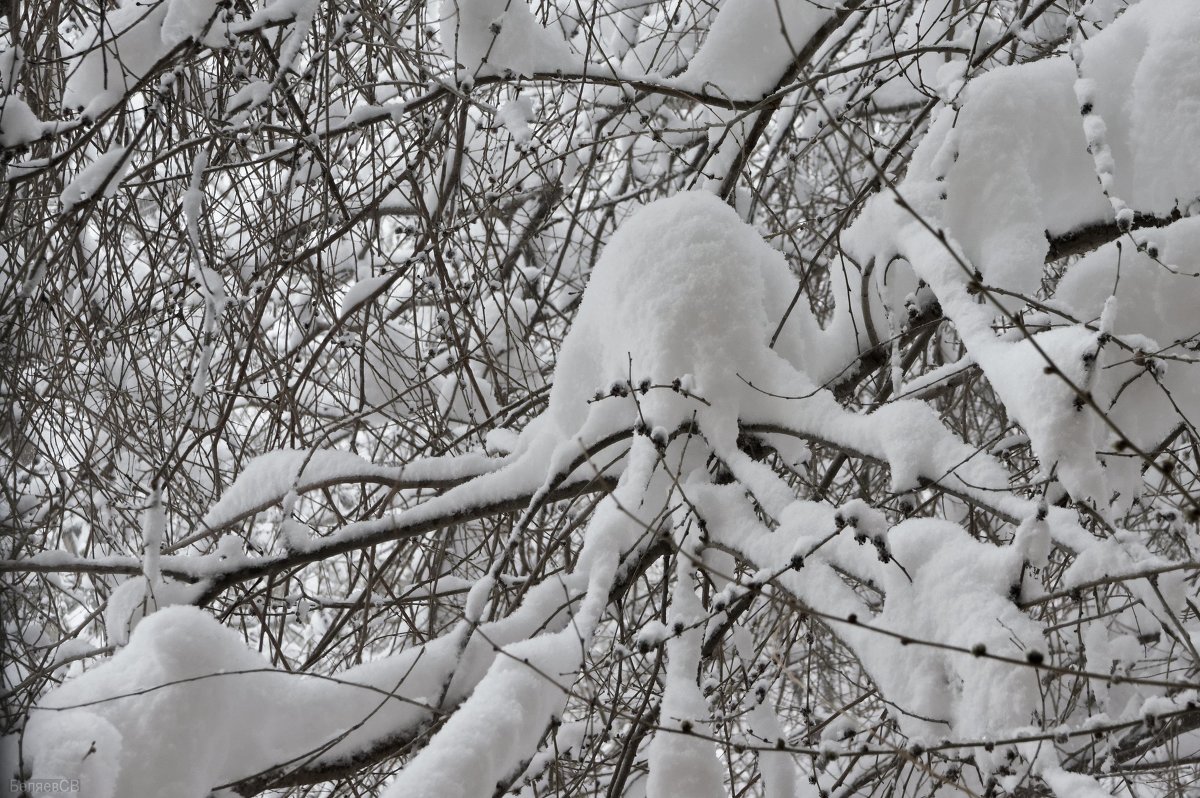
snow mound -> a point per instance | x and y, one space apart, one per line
685 291
520 694
186 706
958 595
982 196
18 124
175 644
1148 379
105 64
488 37
1007 186
102 175
750 45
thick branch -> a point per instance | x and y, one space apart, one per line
1091 236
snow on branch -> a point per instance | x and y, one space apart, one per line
488 397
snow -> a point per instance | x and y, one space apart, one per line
1043 380
674 334
188 20
1047 405
684 287
57 558
652 635
186 705
958 595
238 715
488 37
232 715
103 66
1163 105
750 45
393 357
745 55
682 761
79 744
498 728
103 175
1154 303
934 377
501 440
72 648
361 292
268 478
1046 182
996 220
777 768
464 399
18 124
491 738
12 62
248 98
137 597
1073 785
952 590
515 116
279 11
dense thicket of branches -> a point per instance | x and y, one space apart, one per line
233 229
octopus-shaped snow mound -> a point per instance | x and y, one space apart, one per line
685 290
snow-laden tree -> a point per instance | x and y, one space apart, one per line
609 398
